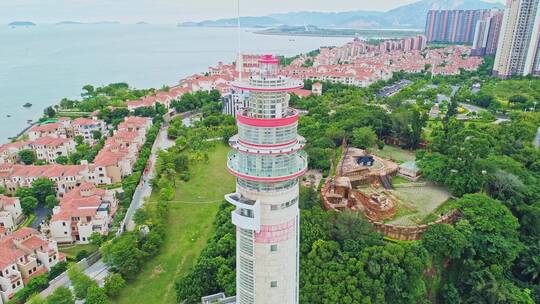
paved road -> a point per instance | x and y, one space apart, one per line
144 189
98 271
41 213
472 108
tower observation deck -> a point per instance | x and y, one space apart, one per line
267 160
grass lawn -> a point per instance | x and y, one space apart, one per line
397 154
448 206
425 200
29 219
72 250
189 226
397 180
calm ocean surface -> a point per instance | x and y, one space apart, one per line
45 63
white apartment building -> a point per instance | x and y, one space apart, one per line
81 212
49 148
24 254
86 127
10 212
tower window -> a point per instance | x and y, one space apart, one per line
273 248
273 284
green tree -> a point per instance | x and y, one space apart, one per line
51 201
96 295
56 270
352 230
36 299
114 284
27 157
364 137
28 204
141 216
124 255
443 240
42 188
50 112
80 281
96 135
61 295
62 160
79 140
97 238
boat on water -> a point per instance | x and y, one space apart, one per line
27 105
29 121
8 115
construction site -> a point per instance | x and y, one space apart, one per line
364 182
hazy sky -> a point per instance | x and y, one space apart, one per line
171 11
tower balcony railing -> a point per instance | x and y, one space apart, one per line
276 84
267 149
247 214
269 174
290 117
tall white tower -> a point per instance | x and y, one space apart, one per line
267 160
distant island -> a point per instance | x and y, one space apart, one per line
142 23
324 32
69 22
21 23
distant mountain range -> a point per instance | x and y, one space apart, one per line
407 16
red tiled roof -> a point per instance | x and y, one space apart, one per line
81 121
8 200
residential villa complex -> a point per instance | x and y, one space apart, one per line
81 212
113 162
267 161
24 254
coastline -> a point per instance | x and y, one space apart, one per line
344 33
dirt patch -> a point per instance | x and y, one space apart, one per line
156 271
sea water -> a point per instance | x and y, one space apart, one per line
45 63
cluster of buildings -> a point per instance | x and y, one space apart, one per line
455 26
347 65
112 163
518 50
53 139
513 36
486 34
83 209
162 97
81 212
120 152
24 254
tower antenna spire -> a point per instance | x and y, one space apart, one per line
239 60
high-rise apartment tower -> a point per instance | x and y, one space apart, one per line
267 160
518 51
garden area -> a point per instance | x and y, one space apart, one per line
417 202
189 225
394 153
